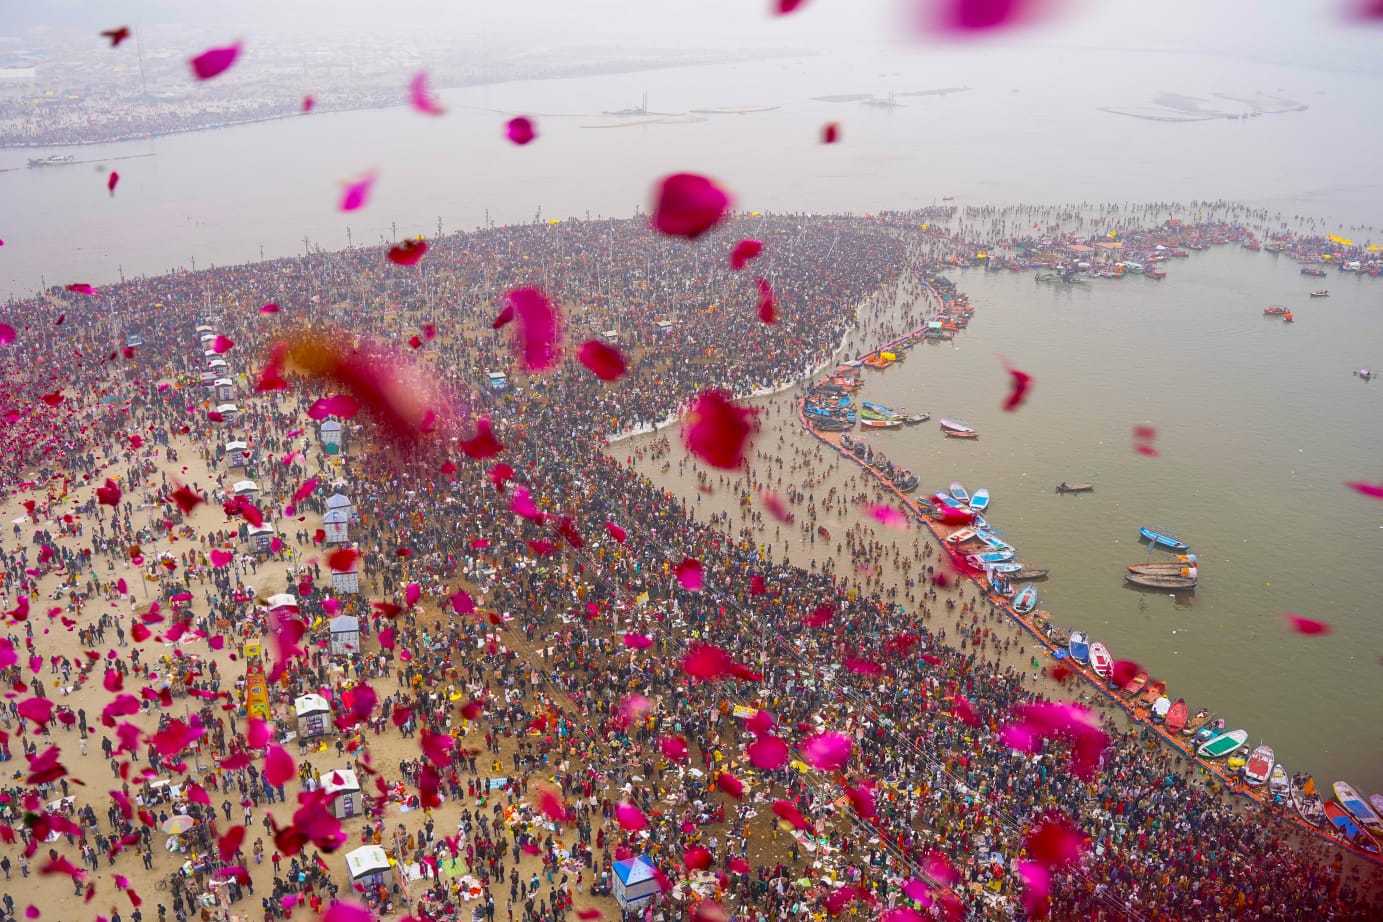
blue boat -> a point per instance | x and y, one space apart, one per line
1080 647
1006 567
989 557
1164 541
959 493
944 500
1026 600
979 502
880 409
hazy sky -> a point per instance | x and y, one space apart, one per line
1279 29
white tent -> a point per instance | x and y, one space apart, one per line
237 454
367 864
228 411
244 488
343 783
282 600
345 635
261 536
330 432
314 716
225 388
340 501
636 881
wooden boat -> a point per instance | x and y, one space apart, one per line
955 425
1274 310
1220 746
1209 731
955 434
1101 661
1161 581
1320 293
960 537
959 493
1259 766
1027 575
1358 807
1353 833
1151 692
1313 271
1134 685
876 361
879 410
979 502
880 424
1079 647
1176 716
1065 487
1163 540
1201 718
1307 799
1025 601
1186 568
912 419
1279 785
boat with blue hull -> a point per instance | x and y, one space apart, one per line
979 501
1080 647
1025 601
1163 540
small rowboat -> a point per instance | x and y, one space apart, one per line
1161 581
1079 647
955 425
1101 661
1176 716
956 434
1209 731
1306 799
1027 575
1358 808
1354 834
1074 487
1026 600
1163 540
1279 785
1320 293
1135 684
1259 767
979 502
1220 746
1274 310
1178 567
1201 718
960 537
880 424
959 493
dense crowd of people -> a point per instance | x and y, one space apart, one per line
559 674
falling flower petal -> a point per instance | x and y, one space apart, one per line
688 205
674 748
637 641
966 17
1037 889
483 444
520 130
776 507
108 495
1370 490
630 817
605 362
539 328
1054 842
1124 671
965 711
717 431
689 574
357 192
342 560
344 911
269 309
826 751
704 661
408 253
82 288
789 813
214 61
768 753
731 785
788 6
116 36
1307 626
111 181
1020 383
743 252
830 133
7 334
421 98
1143 438
309 103
768 305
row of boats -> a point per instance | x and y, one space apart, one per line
1179 574
1356 819
983 547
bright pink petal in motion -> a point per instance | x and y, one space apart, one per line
689 574
830 133
743 252
357 192
1370 490
1020 383
420 98
520 130
688 205
768 305
717 431
889 517
605 362
111 181
826 751
408 253
539 328
214 61
1308 626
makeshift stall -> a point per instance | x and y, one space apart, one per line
314 716
337 525
347 582
498 381
636 881
218 367
237 453
339 500
247 488
225 388
345 635
261 537
229 412
330 434
346 787
368 866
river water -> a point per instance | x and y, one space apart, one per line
1259 423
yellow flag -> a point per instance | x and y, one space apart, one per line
1113 234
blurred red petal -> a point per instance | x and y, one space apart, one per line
689 574
408 253
214 61
357 192
1307 626
830 133
1037 889
539 327
826 751
1368 489
1054 842
768 305
688 205
717 431
889 516
788 6
768 753
619 534
605 362
743 252
116 36
1020 382
421 99
111 182
704 661
520 130
1124 671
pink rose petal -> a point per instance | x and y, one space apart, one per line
826 751
408 253
830 133
1020 382
743 252
605 362
215 61
768 753
520 130
689 574
768 305
111 181
889 517
717 431
1307 626
539 326
630 817
420 98
688 205
357 192
1370 490
704 661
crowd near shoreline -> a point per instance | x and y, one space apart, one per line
530 665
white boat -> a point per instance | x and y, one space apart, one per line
1279 785
1080 647
955 425
959 493
979 502
1354 803
1259 766
1222 745
960 537
1101 661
